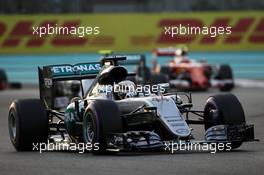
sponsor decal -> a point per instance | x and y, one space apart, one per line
182 131
47 82
78 69
237 31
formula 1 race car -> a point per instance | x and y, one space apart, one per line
189 74
4 84
3 80
113 116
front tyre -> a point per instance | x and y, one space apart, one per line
225 73
27 123
101 119
224 109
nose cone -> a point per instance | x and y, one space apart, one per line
199 80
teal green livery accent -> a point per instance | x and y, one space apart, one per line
70 119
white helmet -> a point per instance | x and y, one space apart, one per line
125 89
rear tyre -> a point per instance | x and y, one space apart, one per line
158 78
101 118
165 70
15 85
224 109
27 123
227 87
225 73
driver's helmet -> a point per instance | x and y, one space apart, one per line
178 52
125 89
180 55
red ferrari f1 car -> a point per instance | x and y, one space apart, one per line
189 74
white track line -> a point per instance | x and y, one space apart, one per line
247 83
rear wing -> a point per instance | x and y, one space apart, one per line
48 75
134 60
169 51
179 50
123 60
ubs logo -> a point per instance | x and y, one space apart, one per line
47 82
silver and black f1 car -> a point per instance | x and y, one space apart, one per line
120 120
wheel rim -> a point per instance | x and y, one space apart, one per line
211 115
89 128
12 126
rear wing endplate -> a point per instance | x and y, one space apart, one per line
48 75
